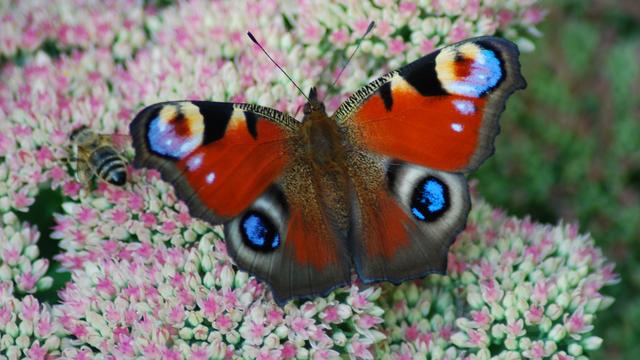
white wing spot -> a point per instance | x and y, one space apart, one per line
210 177
456 127
465 107
194 163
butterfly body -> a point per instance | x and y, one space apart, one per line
377 188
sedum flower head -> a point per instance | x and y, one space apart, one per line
27 328
62 26
20 264
170 302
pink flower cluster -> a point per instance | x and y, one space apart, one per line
26 26
27 328
405 31
175 303
146 213
19 256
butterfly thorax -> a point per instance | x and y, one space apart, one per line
324 146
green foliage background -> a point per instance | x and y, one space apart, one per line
570 145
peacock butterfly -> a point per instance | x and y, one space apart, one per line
379 186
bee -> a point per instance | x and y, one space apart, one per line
97 155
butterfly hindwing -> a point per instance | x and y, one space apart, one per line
408 216
440 111
309 257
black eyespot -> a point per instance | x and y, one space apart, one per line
430 199
258 232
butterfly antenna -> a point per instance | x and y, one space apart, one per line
371 26
276 64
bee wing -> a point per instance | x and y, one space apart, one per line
83 172
119 141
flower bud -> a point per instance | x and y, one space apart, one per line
209 280
511 343
339 338
233 337
241 279
52 343
12 329
554 311
498 331
282 331
5 273
557 333
185 333
475 300
190 236
575 349
545 325
26 328
460 339
226 277
44 283
302 353
23 341
592 343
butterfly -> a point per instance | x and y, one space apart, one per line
378 187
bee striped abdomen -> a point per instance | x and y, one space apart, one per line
109 166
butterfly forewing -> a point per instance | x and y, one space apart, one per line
440 111
219 156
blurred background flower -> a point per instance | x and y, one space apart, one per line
94 270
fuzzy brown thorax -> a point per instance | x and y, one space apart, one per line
324 143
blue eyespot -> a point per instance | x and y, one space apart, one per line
430 199
164 140
258 232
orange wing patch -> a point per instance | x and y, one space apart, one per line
384 227
230 173
219 156
308 239
440 132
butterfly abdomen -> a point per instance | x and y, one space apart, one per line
324 158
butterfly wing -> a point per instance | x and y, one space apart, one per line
441 111
407 216
234 164
307 256
415 131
